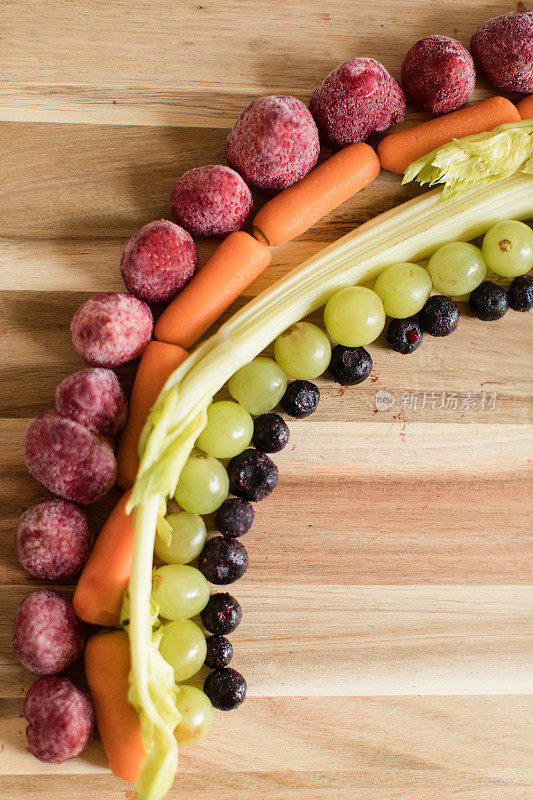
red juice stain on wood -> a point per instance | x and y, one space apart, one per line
374 376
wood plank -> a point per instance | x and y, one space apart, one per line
121 78
481 381
361 640
350 744
374 532
376 527
314 785
125 183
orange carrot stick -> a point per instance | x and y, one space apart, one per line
236 262
296 209
158 362
101 586
107 664
525 107
400 149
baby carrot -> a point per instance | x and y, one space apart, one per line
525 107
236 262
107 664
101 586
397 150
296 209
158 362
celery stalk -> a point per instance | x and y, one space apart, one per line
476 160
410 232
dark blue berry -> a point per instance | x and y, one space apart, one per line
271 433
219 652
234 517
222 613
440 316
404 335
226 688
223 560
350 365
252 475
488 301
300 399
520 294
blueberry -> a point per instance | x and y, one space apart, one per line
219 652
520 294
252 475
300 399
404 335
235 517
350 365
226 688
488 301
271 433
222 613
440 316
223 560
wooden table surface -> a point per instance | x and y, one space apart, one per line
386 608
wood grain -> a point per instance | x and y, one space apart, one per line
387 607
171 64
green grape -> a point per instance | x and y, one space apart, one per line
457 268
508 248
203 484
404 289
228 432
303 351
187 539
259 385
181 592
354 316
183 646
196 715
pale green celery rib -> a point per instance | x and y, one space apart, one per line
409 232
158 738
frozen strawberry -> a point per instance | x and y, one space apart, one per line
158 261
61 719
111 329
273 143
47 635
94 398
53 540
503 49
211 201
68 459
438 74
356 99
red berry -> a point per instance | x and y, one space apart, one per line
158 261
274 142
503 49
47 635
53 540
94 398
211 201
68 459
111 329
61 719
356 99
438 74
